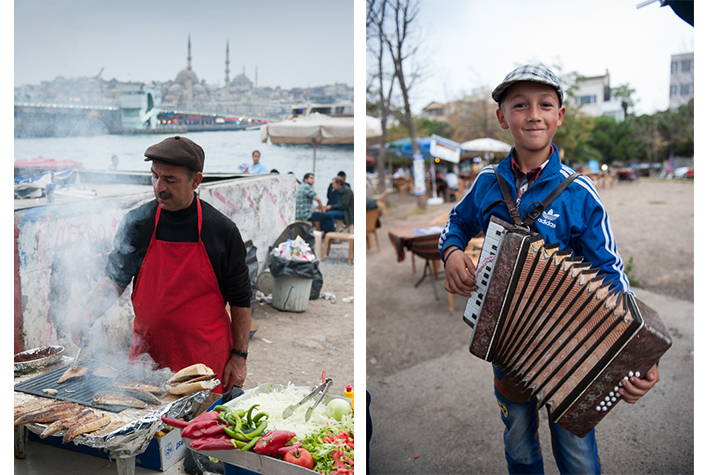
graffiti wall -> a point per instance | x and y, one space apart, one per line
61 252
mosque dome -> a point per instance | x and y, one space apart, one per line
185 76
241 81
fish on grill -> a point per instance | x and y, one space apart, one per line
118 398
49 413
73 373
134 384
106 371
66 423
144 396
95 422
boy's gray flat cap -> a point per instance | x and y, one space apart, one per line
529 73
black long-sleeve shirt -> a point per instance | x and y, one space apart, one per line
222 240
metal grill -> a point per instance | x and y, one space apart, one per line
79 390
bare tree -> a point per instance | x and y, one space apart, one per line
376 15
397 35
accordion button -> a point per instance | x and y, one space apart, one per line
631 373
604 409
599 408
611 393
637 374
613 399
607 398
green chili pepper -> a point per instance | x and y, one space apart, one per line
251 409
259 416
235 434
258 431
240 412
238 443
250 445
237 423
222 408
229 418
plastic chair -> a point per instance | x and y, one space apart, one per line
371 226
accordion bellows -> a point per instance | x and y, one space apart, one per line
549 321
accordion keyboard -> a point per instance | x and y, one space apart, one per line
486 262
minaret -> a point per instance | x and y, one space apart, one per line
189 54
226 71
256 77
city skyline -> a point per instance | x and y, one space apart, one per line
147 42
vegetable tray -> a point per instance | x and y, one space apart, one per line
263 464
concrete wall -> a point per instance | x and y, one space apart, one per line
61 251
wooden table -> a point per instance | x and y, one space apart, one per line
422 241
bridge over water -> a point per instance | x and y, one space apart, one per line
45 119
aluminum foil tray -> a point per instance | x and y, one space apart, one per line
33 365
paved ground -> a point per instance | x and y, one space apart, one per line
433 407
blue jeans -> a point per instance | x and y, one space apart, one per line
522 447
327 224
337 214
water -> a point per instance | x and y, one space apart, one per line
224 151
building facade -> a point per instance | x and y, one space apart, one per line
593 94
682 79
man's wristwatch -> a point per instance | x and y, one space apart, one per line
241 353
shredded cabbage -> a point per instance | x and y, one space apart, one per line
278 399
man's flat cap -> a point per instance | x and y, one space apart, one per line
179 151
529 73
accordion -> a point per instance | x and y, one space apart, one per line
549 322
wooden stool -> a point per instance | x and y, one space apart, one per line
343 236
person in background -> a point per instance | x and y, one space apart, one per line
114 163
186 260
256 166
305 195
345 208
332 194
452 182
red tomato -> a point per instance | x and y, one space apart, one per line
300 457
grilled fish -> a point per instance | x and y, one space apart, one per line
90 425
66 423
50 413
106 371
142 395
117 398
71 374
133 384
31 406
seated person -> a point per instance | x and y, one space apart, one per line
305 194
345 209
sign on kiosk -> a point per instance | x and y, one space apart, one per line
444 149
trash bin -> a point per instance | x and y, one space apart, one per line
291 294
292 280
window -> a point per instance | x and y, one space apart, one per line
683 90
585 100
683 66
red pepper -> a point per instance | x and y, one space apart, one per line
272 441
212 443
172 422
280 453
216 429
196 427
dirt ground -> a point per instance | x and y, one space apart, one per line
298 347
418 361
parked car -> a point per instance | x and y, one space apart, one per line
681 172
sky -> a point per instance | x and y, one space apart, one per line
466 44
293 44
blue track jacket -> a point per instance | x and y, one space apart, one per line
577 219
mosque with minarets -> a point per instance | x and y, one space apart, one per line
240 95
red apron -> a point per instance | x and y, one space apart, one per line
181 317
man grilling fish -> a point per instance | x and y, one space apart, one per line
186 261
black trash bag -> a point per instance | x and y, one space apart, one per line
299 269
252 264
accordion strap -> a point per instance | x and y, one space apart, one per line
535 213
